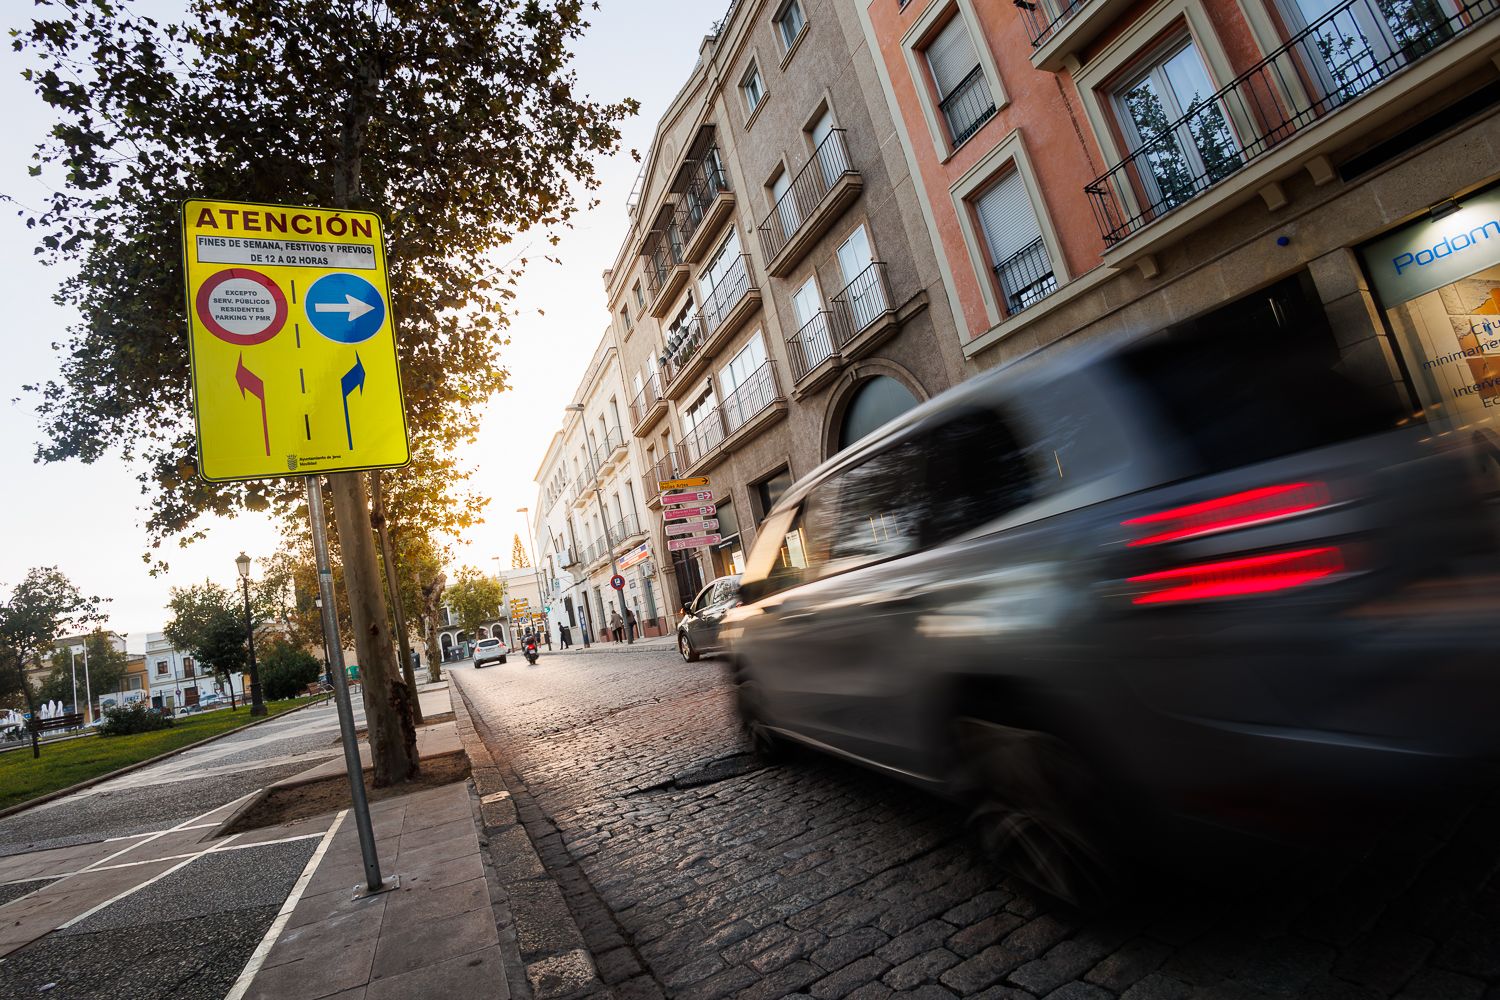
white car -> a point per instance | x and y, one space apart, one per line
489 651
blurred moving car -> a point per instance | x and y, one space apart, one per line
489 651
698 631
1197 577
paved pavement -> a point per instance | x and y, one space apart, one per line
693 873
123 890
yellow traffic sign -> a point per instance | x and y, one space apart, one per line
293 341
682 484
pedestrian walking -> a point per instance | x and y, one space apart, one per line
616 625
630 624
565 636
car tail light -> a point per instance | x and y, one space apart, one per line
1240 577
1238 510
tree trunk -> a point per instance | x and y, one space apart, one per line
393 738
393 586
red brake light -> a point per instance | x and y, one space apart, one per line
1238 510
1240 577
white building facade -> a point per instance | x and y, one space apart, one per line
177 680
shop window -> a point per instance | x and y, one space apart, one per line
1013 236
767 492
1179 133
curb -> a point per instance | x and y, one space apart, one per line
640 646
538 930
101 778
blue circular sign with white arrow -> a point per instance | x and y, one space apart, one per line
345 308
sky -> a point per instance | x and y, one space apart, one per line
88 519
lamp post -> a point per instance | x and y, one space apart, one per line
614 565
257 707
536 571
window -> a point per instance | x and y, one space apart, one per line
864 293
187 666
882 503
625 317
792 547
752 88
769 490
878 401
788 215
1013 236
747 384
1180 135
161 668
790 22
640 299
724 280
977 464
963 93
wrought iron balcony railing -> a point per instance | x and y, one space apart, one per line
732 287
645 399
829 162
968 107
1043 17
1355 47
704 437
1026 277
816 341
625 529
708 181
864 300
750 397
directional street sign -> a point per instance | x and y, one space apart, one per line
699 496
680 513
692 527
695 542
292 340
681 484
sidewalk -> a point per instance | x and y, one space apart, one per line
639 646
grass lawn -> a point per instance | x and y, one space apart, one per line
71 761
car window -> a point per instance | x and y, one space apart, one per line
721 593
978 469
882 503
793 545
701 601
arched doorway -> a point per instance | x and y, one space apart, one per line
876 401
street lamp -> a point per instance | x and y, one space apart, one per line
536 570
257 707
614 565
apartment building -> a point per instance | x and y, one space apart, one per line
776 295
72 646
176 679
1309 175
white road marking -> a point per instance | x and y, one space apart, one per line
150 881
169 857
258 959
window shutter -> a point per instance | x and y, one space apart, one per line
1006 217
951 57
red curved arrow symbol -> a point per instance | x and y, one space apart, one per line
252 383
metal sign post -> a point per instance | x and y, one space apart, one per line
373 882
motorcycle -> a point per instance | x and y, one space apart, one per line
530 651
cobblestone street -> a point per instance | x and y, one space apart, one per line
693 873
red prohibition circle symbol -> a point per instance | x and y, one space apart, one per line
215 311
617 582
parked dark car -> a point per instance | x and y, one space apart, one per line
698 631
1211 579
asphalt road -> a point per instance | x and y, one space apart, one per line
694 873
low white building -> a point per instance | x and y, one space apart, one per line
177 681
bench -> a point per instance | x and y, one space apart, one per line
70 721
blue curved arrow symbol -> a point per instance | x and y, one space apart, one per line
353 379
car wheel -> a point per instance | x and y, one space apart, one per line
764 743
1038 808
685 647
501 661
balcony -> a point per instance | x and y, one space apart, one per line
1061 29
627 531
583 487
663 471
814 350
971 104
752 407
825 186
1270 121
567 557
725 310
701 443
868 313
610 452
666 270
706 204
647 406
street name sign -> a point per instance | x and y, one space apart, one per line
681 484
292 341
681 513
699 496
695 542
692 527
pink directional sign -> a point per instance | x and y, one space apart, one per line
692 527
684 513
695 542
697 496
